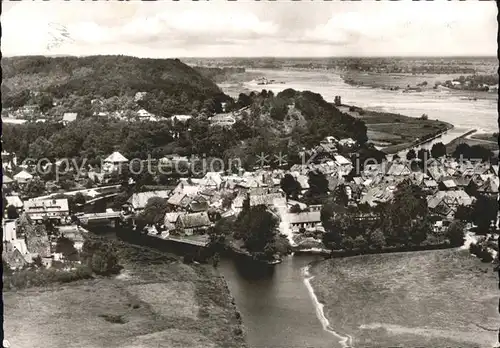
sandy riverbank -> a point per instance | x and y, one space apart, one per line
429 298
344 340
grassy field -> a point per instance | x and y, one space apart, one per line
443 298
379 80
492 145
154 302
388 129
492 137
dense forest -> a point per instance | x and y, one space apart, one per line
267 125
74 82
218 74
286 122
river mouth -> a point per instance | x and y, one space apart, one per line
275 304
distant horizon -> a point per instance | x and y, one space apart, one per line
254 57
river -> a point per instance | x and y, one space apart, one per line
443 105
277 308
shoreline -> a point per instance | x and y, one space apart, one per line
344 341
322 280
364 114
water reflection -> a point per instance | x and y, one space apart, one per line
275 305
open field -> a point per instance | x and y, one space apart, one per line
443 298
388 129
491 145
162 303
491 137
402 81
378 80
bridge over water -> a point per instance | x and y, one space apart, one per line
106 217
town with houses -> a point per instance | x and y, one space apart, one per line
100 110
196 203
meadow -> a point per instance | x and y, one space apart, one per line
443 298
395 131
155 301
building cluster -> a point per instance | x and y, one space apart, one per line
194 204
26 237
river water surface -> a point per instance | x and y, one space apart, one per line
444 105
277 308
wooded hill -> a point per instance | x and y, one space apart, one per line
73 82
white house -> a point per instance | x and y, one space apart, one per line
307 220
69 117
114 161
347 143
139 200
53 209
145 115
180 118
23 177
224 120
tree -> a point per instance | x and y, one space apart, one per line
34 187
419 231
45 102
155 210
404 218
66 247
295 209
244 100
464 213
100 257
279 109
359 242
257 227
438 150
484 210
41 148
12 212
462 151
79 198
478 152
377 239
290 186
37 261
215 260
242 130
340 196
318 184
120 200
455 233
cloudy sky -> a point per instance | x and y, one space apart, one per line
218 28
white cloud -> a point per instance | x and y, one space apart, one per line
219 28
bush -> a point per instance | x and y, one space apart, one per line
481 252
100 257
112 318
455 233
41 277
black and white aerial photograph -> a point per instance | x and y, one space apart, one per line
250 174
